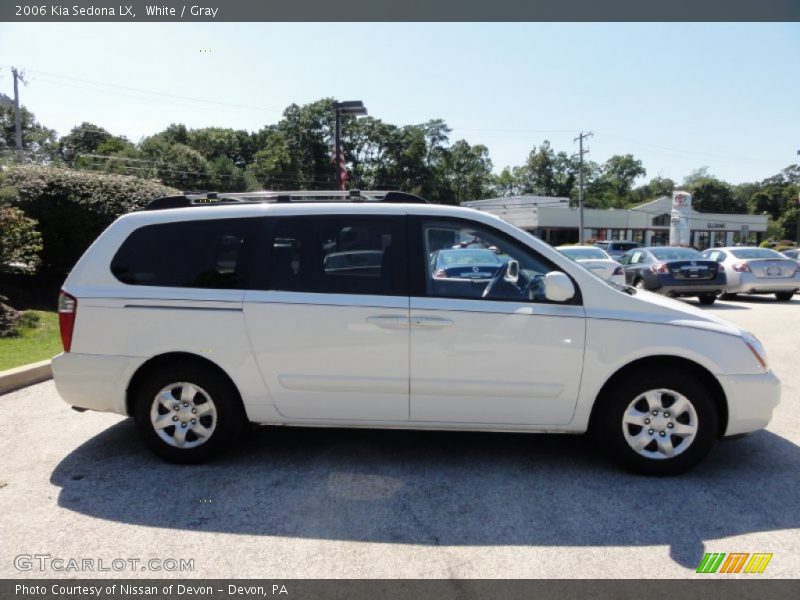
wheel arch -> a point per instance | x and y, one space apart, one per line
660 361
162 360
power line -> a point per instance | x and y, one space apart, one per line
157 93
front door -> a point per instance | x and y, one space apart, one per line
329 328
484 349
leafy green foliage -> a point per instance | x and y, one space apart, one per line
74 207
20 242
38 141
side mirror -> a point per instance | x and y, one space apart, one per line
558 287
512 271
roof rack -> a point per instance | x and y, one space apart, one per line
225 198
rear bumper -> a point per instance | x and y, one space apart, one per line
684 287
94 382
751 400
750 284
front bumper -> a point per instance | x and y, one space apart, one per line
94 382
751 400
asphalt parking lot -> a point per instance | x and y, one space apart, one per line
296 503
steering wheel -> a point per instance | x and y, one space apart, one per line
499 279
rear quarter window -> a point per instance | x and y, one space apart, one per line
212 254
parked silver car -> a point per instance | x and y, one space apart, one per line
757 271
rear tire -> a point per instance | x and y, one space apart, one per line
657 421
707 299
784 296
186 413
639 284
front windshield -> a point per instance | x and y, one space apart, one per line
755 253
675 253
583 253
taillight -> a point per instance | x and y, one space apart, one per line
440 273
619 271
741 267
67 309
659 268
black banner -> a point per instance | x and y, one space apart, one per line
399 10
401 589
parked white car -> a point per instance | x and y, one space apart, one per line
196 320
757 271
597 261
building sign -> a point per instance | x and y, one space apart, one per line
715 225
681 200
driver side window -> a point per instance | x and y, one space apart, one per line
465 260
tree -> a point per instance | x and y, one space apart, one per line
655 188
467 172
716 196
38 141
90 139
175 164
610 185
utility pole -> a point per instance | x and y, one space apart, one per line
17 117
581 152
797 211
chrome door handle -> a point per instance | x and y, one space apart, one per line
430 322
388 322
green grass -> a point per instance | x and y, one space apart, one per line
35 344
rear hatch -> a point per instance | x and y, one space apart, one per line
600 267
693 270
472 271
773 269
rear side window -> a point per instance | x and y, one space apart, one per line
212 254
339 255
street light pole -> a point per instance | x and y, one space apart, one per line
348 107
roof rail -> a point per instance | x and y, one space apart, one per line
225 198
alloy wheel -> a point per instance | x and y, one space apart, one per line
660 424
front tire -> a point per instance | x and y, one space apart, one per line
784 296
707 299
186 413
657 422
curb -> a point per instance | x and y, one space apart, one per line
20 377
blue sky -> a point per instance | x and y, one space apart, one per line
677 96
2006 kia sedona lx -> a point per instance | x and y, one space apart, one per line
376 309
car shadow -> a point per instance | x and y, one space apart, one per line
719 305
762 299
436 488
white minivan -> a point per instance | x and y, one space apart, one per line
205 313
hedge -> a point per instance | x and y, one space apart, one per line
74 207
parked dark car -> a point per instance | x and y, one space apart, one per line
674 271
466 263
615 248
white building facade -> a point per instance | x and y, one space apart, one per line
660 222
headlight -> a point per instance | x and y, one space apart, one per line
756 348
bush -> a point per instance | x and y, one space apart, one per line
20 243
74 207
9 319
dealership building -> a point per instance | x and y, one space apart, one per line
660 222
